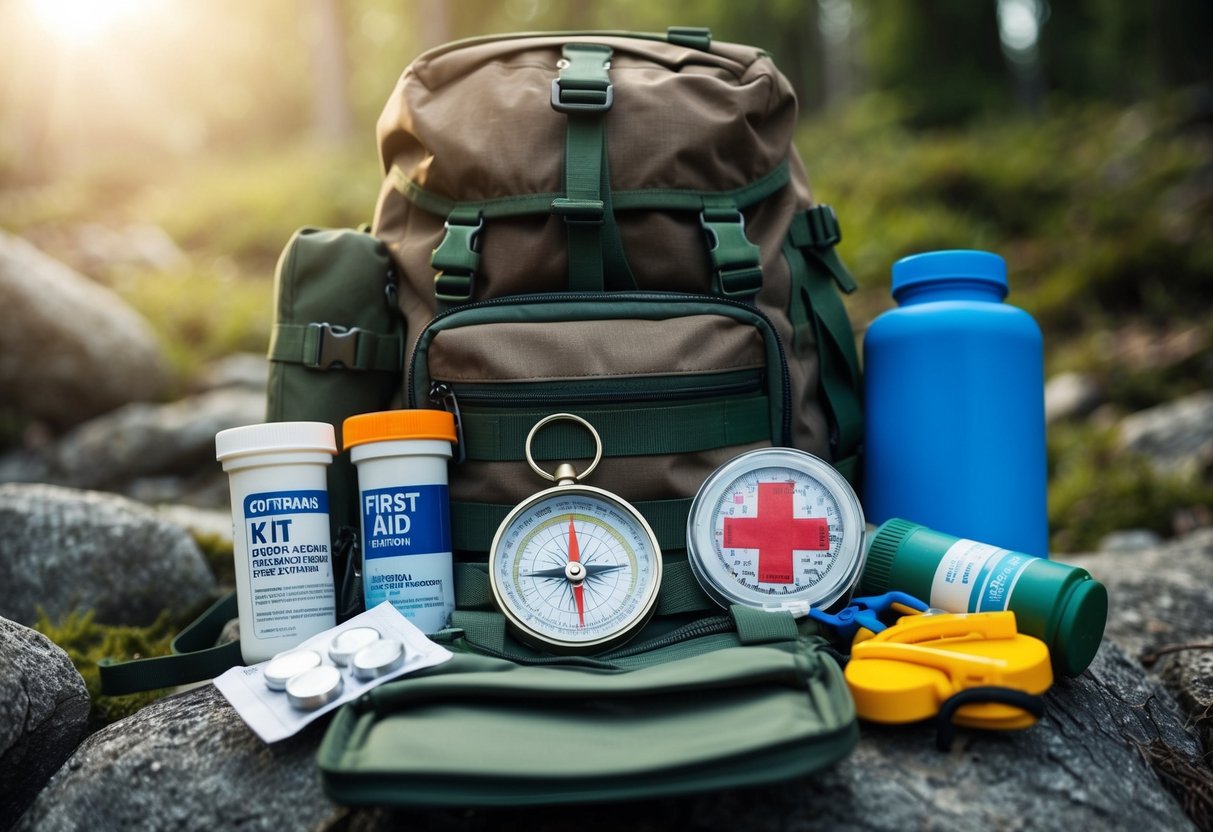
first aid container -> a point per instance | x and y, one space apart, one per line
402 456
954 434
280 524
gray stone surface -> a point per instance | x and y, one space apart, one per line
1071 396
185 762
142 440
63 549
1120 747
1158 596
43 710
242 369
188 762
69 348
1177 437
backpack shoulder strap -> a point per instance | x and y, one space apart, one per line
194 658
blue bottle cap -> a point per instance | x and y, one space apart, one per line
950 266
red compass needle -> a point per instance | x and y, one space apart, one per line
578 589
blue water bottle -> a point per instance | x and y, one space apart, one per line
954 384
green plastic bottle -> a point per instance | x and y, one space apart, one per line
1061 605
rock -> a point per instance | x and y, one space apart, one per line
185 762
69 348
147 440
1187 670
1071 396
63 549
248 370
1129 540
200 522
1157 596
1176 437
43 711
188 762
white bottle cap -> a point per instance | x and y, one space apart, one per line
275 437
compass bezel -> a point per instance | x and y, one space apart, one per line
525 630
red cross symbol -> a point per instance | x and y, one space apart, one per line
776 532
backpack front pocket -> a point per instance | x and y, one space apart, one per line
674 384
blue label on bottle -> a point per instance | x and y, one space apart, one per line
286 502
405 520
992 590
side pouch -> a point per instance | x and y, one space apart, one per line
337 348
483 731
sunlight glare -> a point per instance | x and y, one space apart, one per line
85 21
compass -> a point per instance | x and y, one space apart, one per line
574 568
776 529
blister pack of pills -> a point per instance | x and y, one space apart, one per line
278 697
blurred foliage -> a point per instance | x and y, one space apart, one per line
1104 214
1095 488
85 641
1073 138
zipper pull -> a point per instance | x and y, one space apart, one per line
442 395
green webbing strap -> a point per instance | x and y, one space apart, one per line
474 524
736 262
323 345
194 658
472 589
813 234
654 199
763 626
680 591
458 256
583 92
500 436
818 230
695 37
485 629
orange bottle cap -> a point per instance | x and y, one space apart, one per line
388 425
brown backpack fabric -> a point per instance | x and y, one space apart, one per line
617 226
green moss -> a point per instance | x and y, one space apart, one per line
218 553
86 642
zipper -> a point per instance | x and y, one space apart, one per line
598 297
712 626
493 394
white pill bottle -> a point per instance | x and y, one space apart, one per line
403 501
280 532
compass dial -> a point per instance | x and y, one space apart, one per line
575 569
776 528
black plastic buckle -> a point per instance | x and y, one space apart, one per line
337 346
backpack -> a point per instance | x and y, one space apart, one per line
615 226
618 227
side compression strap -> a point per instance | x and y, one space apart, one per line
816 270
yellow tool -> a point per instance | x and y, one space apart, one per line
975 670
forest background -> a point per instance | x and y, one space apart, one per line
1073 137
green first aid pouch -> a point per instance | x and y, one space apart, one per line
735 700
